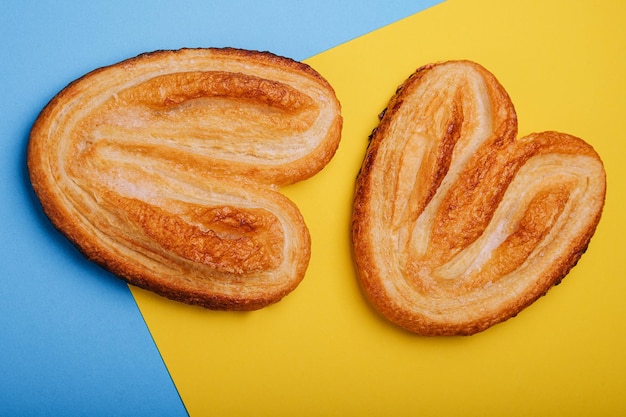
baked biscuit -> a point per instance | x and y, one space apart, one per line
164 169
457 224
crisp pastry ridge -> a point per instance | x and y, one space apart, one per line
165 169
458 224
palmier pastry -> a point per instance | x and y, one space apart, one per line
457 224
165 169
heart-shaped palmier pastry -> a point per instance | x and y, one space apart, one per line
165 168
457 224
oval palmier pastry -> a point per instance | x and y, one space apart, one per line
458 225
165 168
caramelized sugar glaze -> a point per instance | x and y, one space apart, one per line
165 170
458 225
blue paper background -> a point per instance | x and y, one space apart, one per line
72 340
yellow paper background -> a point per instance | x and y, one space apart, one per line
322 351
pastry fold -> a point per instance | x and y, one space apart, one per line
458 224
165 169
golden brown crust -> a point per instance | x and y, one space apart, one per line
457 225
165 168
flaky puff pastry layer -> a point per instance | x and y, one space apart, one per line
457 224
165 169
